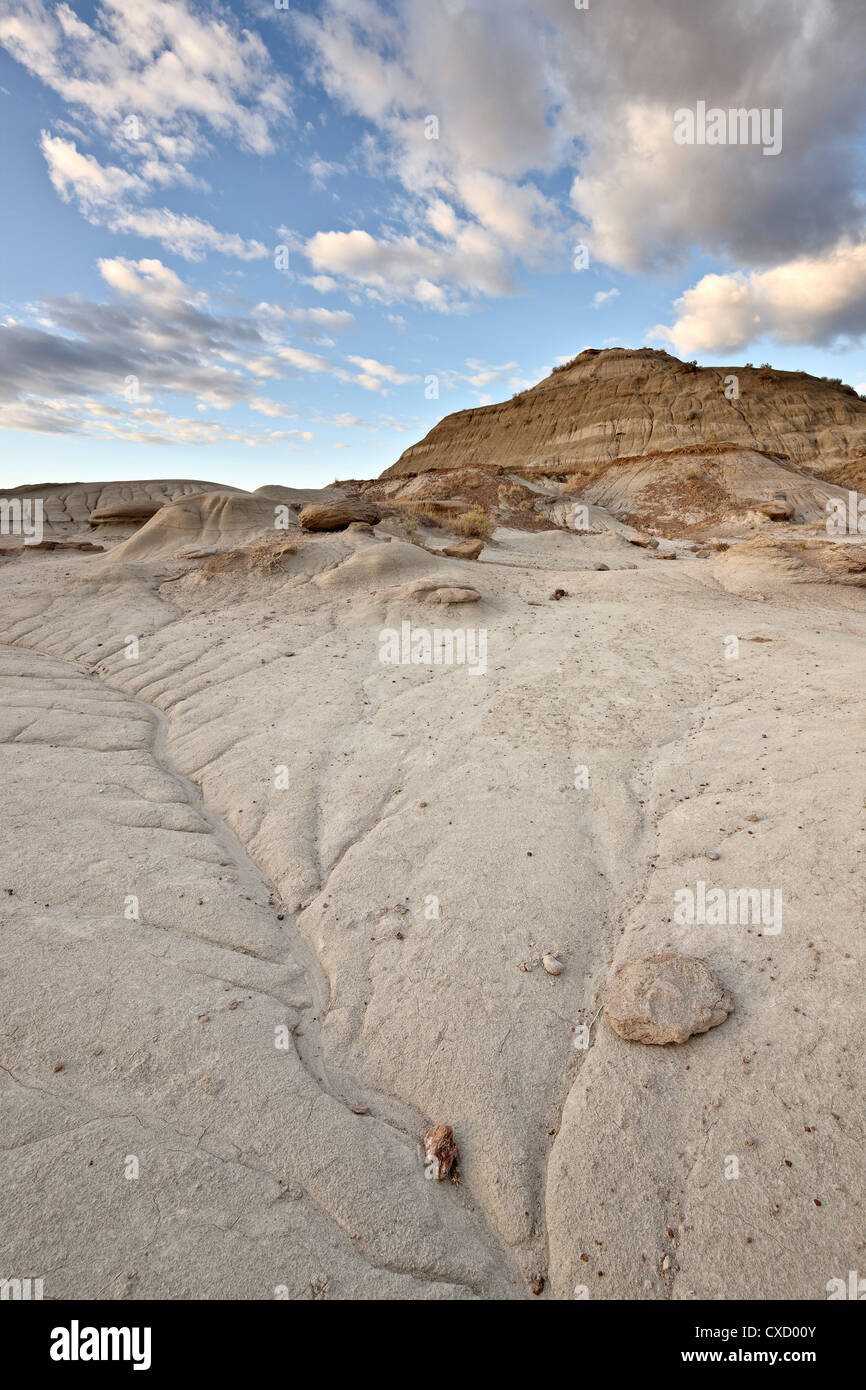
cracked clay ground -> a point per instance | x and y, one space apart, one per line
250 995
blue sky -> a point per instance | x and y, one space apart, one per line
160 161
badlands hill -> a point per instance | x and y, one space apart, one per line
653 441
618 403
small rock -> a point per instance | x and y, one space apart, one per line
558 594
602 566
58 1065
665 999
776 511
752 817
711 854
440 1152
538 1284
552 965
464 550
453 596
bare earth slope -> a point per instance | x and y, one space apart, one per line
620 402
346 874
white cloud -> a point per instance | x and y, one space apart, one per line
154 80
409 268
602 297
347 421
382 369
323 169
165 63
101 190
816 300
521 91
265 406
336 320
322 284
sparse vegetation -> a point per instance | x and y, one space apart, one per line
263 558
475 522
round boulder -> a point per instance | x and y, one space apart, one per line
336 516
665 999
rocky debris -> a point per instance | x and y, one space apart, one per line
440 1152
602 566
558 594
638 538
778 510
337 516
362 526
552 964
464 550
139 510
665 999
263 558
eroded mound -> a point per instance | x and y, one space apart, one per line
205 522
769 562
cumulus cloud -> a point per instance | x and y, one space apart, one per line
818 300
166 64
483 115
407 267
513 94
154 81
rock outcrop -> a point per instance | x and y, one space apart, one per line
336 516
138 510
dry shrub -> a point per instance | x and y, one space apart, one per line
262 558
513 495
424 513
475 522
